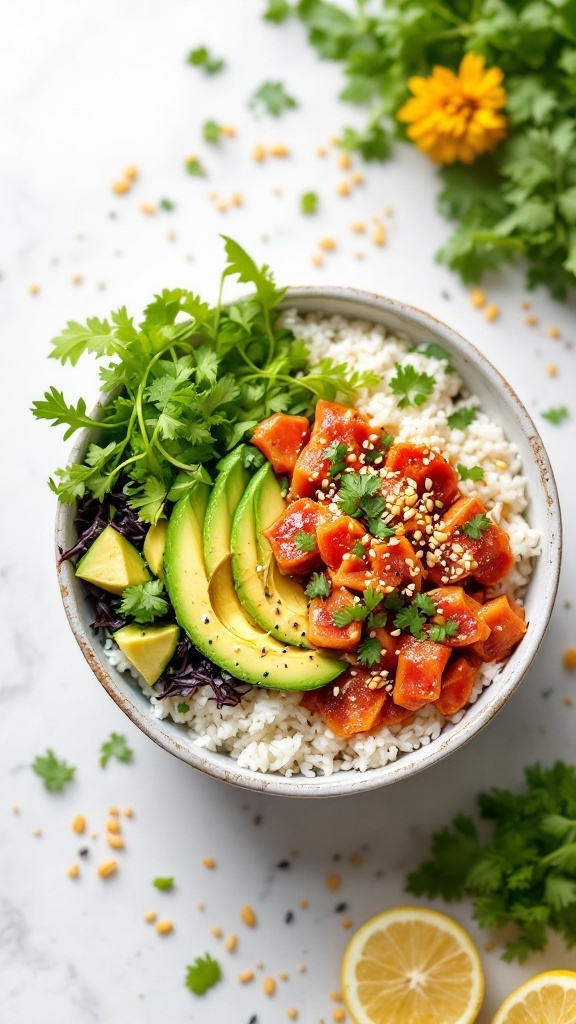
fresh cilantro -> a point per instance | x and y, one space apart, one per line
410 387
441 632
272 98
359 550
164 884
372 598
319 585
54 773
476 526
425 604
368 652
202 58
434 351
380 449
202 974
471 473
462 418
144 602
379 530
372 142
354 489
522 873
377 620
359 611
337 453
309 202
304 540
183 708
277 10
167 204
412 619
211 131
394 602
115 746
194 167
556 416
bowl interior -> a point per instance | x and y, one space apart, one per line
501 403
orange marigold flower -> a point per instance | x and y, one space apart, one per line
456 117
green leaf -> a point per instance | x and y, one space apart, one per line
167 204
163 884
96 336
319 586
202 974
369 651
183 708
305 541
342 617
202 58
354 489
440 632
309 202
462 418
148 500
336 452
410 618
54 773
115 746
409 386
476 526
242 265
425 604
55 408
194 167
211 131
470 473
277 10
144 602
373 142
272 98
567 204
556 416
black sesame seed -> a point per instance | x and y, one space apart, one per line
283 864
83 852
289 917
266 674
340 908
253 1019
258 819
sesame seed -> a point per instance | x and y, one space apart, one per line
107 868
79 824
269 986
258 153
230 942
491 313
209 862
333 881
379 234
478 298
327 243
245 976
164 927
248 916
73 871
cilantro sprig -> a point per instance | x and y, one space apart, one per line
369 651
115 746
476 526
359 610
164 884
556 416
409 386
462 418
336 452
202 974
144 602
272 98
54 773
523 874
470 473
304 540
201 57
188 383
318 586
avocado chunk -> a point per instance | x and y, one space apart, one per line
228 488
112 563
221 630
148 648
275 602
154 545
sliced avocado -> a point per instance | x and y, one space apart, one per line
228 488
277 603
252 656
149 648
112 563
154 545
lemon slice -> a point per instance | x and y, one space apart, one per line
549 998
412 966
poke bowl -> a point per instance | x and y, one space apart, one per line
398 552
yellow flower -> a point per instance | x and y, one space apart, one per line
455 117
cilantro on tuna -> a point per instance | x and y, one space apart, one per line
409 386
304 541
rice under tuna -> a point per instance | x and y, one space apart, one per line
270 731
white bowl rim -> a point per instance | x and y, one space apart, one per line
344 783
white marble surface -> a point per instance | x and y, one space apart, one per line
87 88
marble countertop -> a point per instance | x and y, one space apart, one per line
86 89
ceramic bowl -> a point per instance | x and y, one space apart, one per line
499 401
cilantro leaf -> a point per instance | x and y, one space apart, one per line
183 708
476 526
354 488
369 651
337 453
471 473
359 550
194 167
319 585
115 746
167 204
379 530
164 884
277 10
372 598
410 387
394 602
556 416
349 613
144 602
425 604
439 632
377 620
372 142
308 202
410 618
202 58
272 98
54 773
54 407
211 131
304 540
202 974
462 418
434 351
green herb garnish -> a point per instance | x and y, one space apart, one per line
277 10
319 585
359 550
359 611
145 602
462 418
54 773
434 351
164 884
425 604
472 473
194 167
410 618
308 202
476 526
369 651
304 540
354 489
337 453
202 58
556 416
167 204
273 98
202 974
440 633
183 708
211 131
411 387
115 746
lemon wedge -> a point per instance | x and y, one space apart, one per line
410 965
548 998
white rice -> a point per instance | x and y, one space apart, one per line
269 731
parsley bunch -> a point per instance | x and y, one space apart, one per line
519 200
185 385
525 874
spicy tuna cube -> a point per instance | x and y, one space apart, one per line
349 705
281 438
323 631
458 681
339 543
419 672
292 537
464 550
507 628
333 424
395 564
430 472
453 604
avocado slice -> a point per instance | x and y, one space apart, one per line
251 655
275 602
149 648
154 545
228 488
112 563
